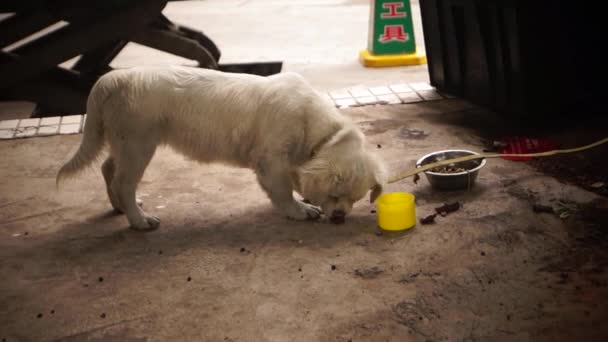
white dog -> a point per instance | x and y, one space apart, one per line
278 126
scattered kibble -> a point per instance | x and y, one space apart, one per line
100 279
189 279
300 269
379 146
483 253
243 250
52 312
26 233
39 315
103 315
448 169
333 267
429 219
160 252
447 208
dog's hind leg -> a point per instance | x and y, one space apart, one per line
108 169
274 178
130 163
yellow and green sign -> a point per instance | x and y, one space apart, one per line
391 38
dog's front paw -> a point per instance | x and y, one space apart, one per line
304 211
149 223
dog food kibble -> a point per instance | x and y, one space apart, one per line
300 269
243 249
39 315
448 169
447 208
26 233
160 252
429 219
333 267
189 279
103 315
100 279
379 146
52 312
483 253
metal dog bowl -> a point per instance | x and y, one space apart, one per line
452 181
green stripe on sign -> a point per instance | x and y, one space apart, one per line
391 29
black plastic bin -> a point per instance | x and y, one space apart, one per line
524 58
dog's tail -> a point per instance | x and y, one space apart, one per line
93 139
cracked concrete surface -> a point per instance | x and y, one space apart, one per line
224 267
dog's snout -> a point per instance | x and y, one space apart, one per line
336 213
338 217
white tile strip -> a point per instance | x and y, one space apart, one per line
390 98
430 95
358 96
71 119
9 124
26 132
345 103
53 120
48 130
409 97
29 123
380 91
7 133
400 88
360 92
421 86
69 128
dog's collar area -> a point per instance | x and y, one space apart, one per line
321 143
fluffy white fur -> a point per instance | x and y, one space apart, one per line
278 126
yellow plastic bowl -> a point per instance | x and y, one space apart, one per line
396 211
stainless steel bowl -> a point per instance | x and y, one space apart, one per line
452 181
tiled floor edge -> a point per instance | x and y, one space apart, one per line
401 93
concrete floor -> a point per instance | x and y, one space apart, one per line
224 267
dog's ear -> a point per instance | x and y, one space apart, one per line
375 191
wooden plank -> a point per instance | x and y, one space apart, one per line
74 39
21 25
164 23
176 44
98 61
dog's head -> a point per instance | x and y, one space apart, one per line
340 174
